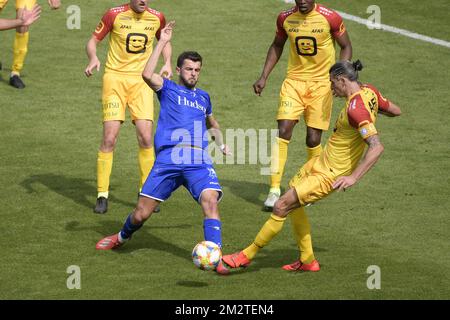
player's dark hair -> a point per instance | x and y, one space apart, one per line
191 55
347 69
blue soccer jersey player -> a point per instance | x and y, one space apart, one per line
181 144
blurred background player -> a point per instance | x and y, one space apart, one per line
312 30
27 18
21 40
132 29
181 150
338 167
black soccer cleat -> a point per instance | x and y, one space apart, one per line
16 82
101 206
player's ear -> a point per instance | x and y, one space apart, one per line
178 70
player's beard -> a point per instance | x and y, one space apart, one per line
188 83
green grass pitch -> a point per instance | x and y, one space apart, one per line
397 217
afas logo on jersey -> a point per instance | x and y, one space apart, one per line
100 27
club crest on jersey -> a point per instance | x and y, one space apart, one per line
99 27
212 173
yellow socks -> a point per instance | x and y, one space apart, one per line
278 161
104 168
302 232
20 52
313 152
269 230
146 160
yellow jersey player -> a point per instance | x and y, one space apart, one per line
21 39
312 31
28 17
338 167
132 28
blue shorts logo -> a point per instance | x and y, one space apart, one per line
212 173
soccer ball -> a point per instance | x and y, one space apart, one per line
206 255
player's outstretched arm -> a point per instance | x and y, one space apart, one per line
216 134
91 51
392 111
154 80
273 55
370 158
26 18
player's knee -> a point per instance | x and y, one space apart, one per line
141 214
285 132
109 142
209 203
145 142
22 29
313 138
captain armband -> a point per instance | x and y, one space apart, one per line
367 129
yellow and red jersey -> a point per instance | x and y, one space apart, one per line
355 123
311 38
131 37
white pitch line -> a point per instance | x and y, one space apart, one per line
403 32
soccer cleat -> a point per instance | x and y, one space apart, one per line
300 266
16 82
108 243
101 206
236 260
221 269
270 201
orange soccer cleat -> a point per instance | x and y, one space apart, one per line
300 266
221 269
108 243
236 260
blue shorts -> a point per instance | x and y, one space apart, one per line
166 178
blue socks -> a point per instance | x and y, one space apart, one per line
129 228
212 229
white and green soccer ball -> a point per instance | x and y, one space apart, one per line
206 255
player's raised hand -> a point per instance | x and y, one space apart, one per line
343 183
166 32
30 16
259 85
93 64
54 4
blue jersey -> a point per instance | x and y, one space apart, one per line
181 145
182 120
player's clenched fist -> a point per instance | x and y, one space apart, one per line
259 85
54 4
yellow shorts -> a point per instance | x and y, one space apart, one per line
29 4
120 91
311 98
312 182
3 4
